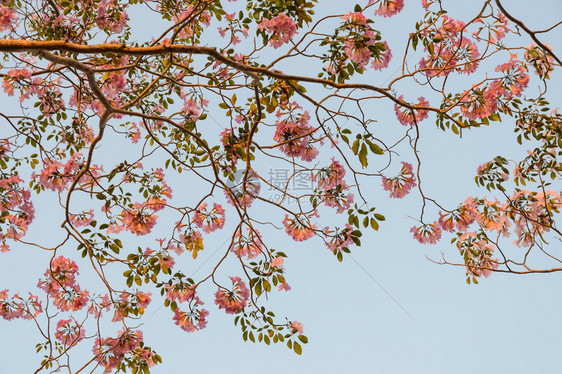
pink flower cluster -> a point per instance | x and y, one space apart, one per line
56 176
282 29
115 81
60 284
357 47
410 117
194 319
453 51
299 228
140 220
111 18
388 8
400 185
82 219
497 30
180 291
16 77
296 327
192 241
277 262
478 103
427 233
16 210
477 255
139 300
541 60
233 301
209 221
7 18
17 307
330 177
330 181
514 80
110 352
459 219
294 137
69 332
340 239
249 245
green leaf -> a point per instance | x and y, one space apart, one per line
494 117
297 348
363 155
375 148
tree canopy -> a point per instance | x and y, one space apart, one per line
242 120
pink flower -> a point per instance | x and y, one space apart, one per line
194 319
249 245
82 219
330 177
427 233
340 240
7 18
17 307
514 81
193 242
110 352
139 220
293 137
298 229
110 17
209 221
69 332
477 255
411 116
388 8
460 218
277 262
382 59
400 185
180 291
541 60
53 177
284 286
16 210
497 30
142 299
478 104
282 28
355 17
296 327
336 198
493 216
467 57
235 300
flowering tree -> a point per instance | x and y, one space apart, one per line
292 91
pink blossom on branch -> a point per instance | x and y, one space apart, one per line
282 29
192 320
211 220
427 233
69 332
409 117
233 301
7 18
298 229
400 185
